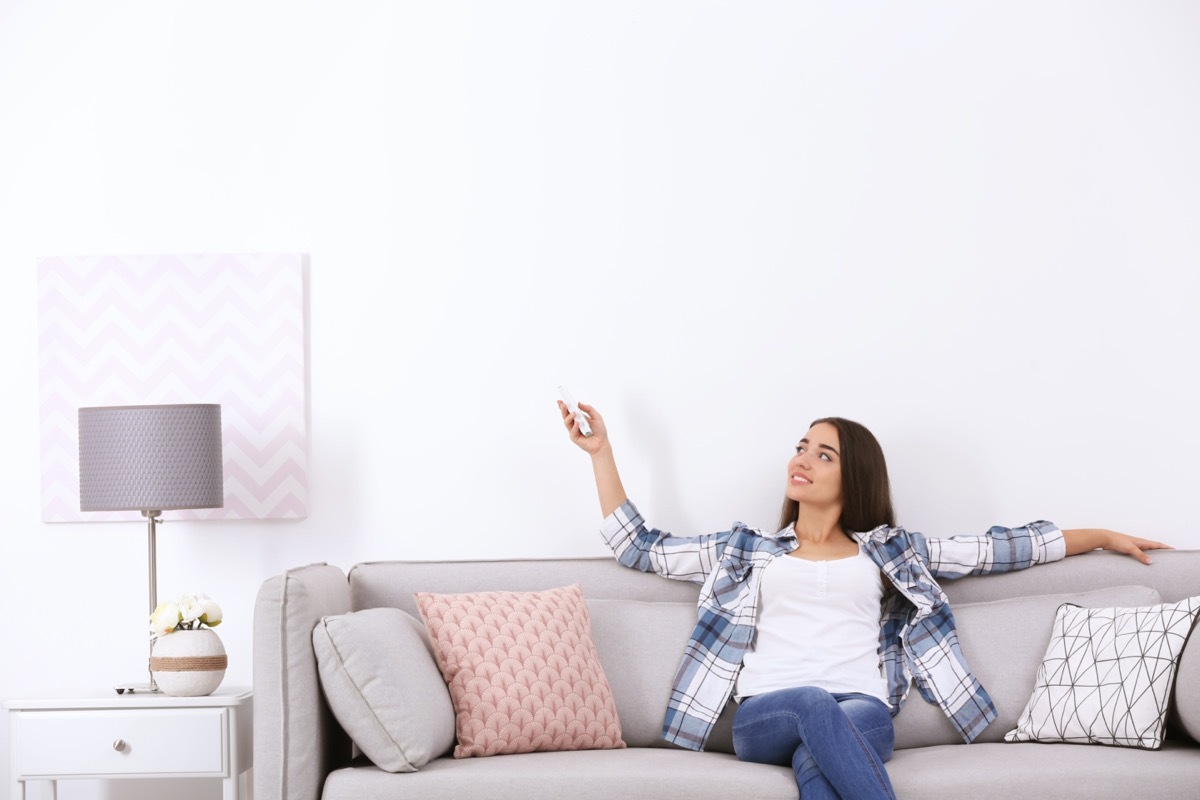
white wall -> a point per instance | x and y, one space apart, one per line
971 226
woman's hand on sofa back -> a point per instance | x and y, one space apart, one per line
1084 540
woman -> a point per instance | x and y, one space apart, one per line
819 629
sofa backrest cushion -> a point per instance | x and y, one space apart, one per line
641 645
379 677
1004 642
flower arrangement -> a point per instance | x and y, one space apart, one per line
187 613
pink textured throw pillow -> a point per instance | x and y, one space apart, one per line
522 671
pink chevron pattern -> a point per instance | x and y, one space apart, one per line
134 330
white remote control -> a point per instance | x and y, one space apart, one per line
573 407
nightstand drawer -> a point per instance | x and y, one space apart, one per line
112 742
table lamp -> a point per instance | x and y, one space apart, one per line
150 459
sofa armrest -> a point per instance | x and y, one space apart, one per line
296 739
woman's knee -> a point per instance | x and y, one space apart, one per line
814 692
808 698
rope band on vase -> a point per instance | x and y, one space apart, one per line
188 663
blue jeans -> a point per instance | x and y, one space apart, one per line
835 743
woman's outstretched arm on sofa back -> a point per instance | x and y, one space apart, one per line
1084 540
1010 549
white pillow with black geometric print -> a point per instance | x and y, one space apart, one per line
1107 675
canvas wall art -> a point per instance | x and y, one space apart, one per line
137 330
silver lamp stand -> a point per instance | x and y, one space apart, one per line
151 537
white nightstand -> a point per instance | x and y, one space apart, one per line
105 735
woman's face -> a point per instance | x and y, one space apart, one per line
815 472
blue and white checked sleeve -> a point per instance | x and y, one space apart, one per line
649 550
998 550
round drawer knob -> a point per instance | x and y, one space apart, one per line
119 745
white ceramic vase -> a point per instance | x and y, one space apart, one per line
188 663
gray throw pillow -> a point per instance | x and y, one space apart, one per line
382 684
1003 642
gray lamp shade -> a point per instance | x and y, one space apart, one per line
150 458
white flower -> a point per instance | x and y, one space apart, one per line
212 614
164 619
191 608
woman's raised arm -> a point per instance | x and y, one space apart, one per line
604 465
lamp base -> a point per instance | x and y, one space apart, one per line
134 688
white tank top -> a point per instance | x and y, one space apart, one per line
818 625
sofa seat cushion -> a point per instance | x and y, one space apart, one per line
979 771
664 774
1002 771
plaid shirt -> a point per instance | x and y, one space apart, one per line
917 639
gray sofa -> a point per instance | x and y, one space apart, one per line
640 623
